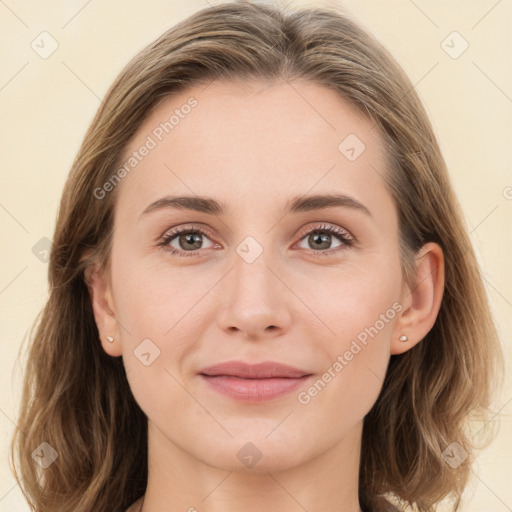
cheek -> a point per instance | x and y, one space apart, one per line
361 309
155 308
349 385
355 299
151 296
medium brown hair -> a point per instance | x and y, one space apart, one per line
77 398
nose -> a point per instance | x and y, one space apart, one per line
257 302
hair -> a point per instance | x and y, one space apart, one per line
77 398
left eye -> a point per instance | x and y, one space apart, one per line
190 240
319 238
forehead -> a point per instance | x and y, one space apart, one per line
253 143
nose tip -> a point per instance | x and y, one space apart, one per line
254 301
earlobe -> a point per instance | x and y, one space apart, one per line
424 300
104 310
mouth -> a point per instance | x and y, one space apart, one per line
253 390
254 383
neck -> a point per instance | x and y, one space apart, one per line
328 482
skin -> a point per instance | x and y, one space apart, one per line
253 147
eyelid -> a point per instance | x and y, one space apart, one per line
176 230
333 228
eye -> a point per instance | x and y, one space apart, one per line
188 240
320 238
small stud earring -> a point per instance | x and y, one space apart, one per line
403 338
110 339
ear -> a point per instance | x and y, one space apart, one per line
422 303
104 310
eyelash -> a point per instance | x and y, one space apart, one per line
346 239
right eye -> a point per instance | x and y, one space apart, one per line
185 237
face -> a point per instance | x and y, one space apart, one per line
256 272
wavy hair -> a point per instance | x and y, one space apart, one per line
77 398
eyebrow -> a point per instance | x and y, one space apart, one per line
295 205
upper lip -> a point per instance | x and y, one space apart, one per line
265 370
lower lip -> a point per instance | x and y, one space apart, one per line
253 390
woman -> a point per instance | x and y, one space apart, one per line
262 292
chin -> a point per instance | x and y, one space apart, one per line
258 455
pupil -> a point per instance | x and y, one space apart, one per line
190 239
321 239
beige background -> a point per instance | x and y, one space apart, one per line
47 104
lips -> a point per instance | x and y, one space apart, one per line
253 382
266 370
